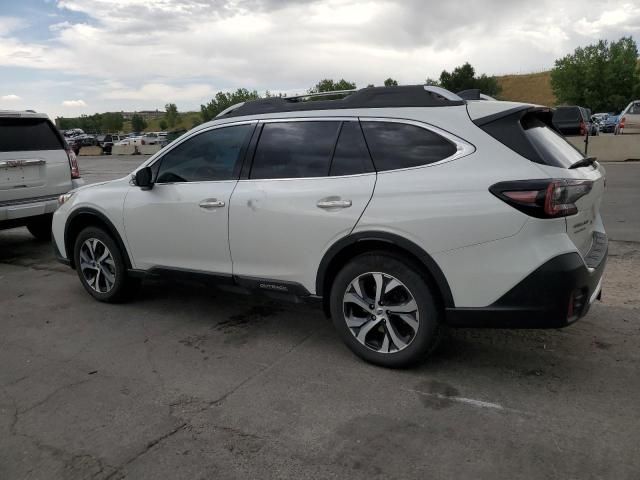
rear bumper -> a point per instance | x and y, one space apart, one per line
553 296
16 213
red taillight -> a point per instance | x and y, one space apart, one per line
621 125
551 198
583 128
73 163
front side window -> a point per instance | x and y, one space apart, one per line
399 145
210 156
294 149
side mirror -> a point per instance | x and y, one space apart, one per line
144 178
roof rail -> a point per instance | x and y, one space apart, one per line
474 94
370 97
230 109
322 94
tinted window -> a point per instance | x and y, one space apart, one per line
211 155
22 134
294 150
351 155
399 145
552 148
567 114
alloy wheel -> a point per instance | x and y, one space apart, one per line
381 312
97 265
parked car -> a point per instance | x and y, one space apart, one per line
82 140
481 215
608 125
573 121
106 142
36 166
629 119
131 140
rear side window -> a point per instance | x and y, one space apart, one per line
400 145
351 155
28 134
552 148
295 149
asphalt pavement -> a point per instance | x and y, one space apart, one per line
190 381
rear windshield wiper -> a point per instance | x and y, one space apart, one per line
585 162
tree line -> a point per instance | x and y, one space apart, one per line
603 76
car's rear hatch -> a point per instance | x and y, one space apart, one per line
33 160
529 131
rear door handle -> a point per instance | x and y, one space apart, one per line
326 203
211 203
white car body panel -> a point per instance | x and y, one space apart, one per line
167 227
277 231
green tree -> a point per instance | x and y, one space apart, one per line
603 76
328 85
163 124
390 82
171 115
112 121
224 100
138 123
464 78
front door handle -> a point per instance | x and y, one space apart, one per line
211 203
328 203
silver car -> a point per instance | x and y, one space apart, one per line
36 166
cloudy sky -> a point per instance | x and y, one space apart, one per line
69 57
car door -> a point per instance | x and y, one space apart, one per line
182 222
310 180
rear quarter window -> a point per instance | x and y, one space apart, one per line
28 134
396 145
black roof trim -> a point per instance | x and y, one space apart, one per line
371 97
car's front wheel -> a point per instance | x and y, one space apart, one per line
100 266
384 310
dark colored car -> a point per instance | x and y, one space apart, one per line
573 120
106 142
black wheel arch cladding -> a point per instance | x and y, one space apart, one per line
396 244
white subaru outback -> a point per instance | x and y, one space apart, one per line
405 208
36 166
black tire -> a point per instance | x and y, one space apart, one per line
40 227
395 267
123 286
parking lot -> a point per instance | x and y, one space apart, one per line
189 381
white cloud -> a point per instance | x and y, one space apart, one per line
10 98
74 103
10 24
133 54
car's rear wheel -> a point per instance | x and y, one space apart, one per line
384 310
101 268
40 227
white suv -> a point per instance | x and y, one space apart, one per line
404 208
36 166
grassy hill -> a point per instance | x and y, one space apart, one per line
530 87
